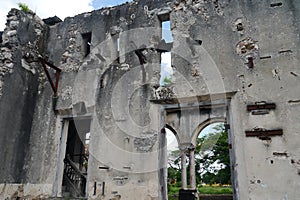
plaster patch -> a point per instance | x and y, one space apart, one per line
145 144
264 186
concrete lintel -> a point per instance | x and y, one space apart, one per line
193 99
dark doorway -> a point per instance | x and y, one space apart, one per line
76 158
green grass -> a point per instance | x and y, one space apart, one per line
215 190
171 197
174 190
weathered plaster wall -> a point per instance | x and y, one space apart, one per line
26 146
271 80
116 94
18 92
268 32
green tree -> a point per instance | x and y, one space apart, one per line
213 150
174 166
167 81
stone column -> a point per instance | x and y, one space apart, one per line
192 168
183 168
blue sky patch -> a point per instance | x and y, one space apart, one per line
97 4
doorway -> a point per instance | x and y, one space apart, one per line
213 164
76 158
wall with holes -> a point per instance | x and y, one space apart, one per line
21 80
244 52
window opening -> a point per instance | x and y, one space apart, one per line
115 48
86 147
166 31
118 44
166 71
86 43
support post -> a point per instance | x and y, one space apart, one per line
58 70
183 168
192 168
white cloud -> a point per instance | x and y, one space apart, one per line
166 67
172 143
166 58
166 63
4 8
44 9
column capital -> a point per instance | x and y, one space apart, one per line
192 147
182 148
185 146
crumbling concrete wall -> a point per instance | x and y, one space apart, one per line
270 80
239 52
233 32
18 92
24 150
116 92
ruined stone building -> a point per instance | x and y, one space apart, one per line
83 111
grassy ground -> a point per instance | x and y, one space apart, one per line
215 190
173 191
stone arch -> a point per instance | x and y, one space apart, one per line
204 124
174 132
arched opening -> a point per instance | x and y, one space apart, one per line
212 160
173 163
207 162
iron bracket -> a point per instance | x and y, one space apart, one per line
57 74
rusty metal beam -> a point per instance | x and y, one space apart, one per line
57 74
265 106
264 134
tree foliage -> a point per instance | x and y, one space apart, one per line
214 162
167 81
23 7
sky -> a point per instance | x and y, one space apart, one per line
60 8
166 66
